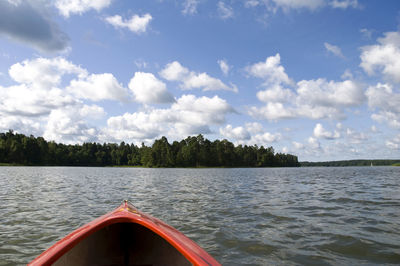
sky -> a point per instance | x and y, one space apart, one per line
316 78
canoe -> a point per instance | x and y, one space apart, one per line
125 236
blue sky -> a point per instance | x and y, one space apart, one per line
315 78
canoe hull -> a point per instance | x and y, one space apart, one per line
125 236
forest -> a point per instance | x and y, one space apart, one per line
18 149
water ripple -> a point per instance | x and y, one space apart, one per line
306 216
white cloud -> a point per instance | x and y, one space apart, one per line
68 7
237 133
393 144
38 90
92 111
315 99
69 126
43 72
275 94
383 57
139 63
191 80
136 24
223 65
265 138
207 83
272 111
187 116
382 98
174 72
250 134
27 126
254 128
343 4
42 104
148 89
314 143
392 119
320 132
23 100
225 11
333 49
190 7
251 3
297 4
271 70
355 137
330 93
97 87
298 145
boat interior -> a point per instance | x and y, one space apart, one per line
123 244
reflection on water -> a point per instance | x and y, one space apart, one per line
240 216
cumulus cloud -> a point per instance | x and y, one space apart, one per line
383 57
355 137
296 4
265 138
38 91
393 144
313 99
225 11
343 4
276 93
136 24
273 111
97 87
335 50
223 65
321 92
190 7
191 80
321 132
385 101
28 22
254 128
43 103
251 3
287 5
68 7
148 89
44 72
250 134
187 116
237 133
68 125
24 100
298 145
271 70
27 126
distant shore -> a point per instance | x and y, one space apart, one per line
306 164
374 162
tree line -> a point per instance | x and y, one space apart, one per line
351 163
190 152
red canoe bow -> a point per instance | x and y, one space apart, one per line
125 236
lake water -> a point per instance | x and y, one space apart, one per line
278 216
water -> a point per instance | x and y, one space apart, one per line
297 216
